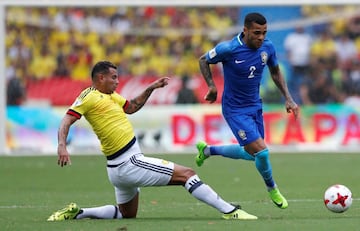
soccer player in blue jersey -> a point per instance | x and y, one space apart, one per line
127 167
244 59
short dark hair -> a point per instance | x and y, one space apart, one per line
101 67
254 17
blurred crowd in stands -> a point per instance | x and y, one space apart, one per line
64 42
325 61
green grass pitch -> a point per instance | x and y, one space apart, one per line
31 188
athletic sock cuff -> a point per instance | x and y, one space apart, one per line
193 183
262 153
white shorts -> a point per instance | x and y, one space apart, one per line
132 170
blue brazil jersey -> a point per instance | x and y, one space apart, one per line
243 68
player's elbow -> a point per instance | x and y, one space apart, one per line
202 60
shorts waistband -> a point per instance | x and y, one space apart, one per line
121 151
114 165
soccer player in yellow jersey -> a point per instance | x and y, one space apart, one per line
127 167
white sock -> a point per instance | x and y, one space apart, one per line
207 151
102 212
204 193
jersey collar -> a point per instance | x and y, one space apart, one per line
239 38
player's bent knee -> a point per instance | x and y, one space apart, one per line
181 174
189 172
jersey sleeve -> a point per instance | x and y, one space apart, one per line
219 53
272 61
120 100
81 104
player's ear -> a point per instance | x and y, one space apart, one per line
245 29
101 77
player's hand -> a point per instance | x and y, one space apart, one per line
63 157
292 107
162 82
211 95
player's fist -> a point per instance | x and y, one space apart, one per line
211 95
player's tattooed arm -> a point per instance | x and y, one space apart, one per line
138 102
206 72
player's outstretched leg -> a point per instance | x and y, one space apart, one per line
233 151
206 194
67 213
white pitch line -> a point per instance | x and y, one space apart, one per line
312 200
298 200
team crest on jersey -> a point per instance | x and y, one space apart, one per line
212 53
165 162
264 57
242 134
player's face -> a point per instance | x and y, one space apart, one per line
110 81
254 35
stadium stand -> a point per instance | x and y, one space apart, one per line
51 49
56 91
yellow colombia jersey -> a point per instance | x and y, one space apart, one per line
105 114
